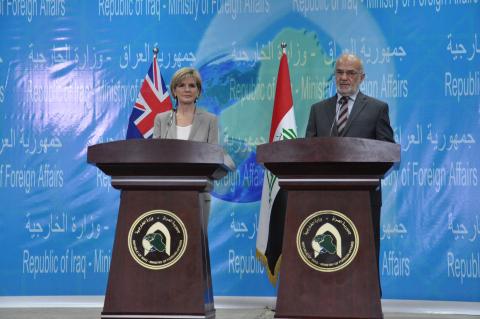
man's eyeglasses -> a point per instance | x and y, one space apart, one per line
349 73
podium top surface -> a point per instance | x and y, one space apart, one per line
329 156
329 149
158 157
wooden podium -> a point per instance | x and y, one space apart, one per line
329 268
160 264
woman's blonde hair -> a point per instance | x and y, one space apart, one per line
181 75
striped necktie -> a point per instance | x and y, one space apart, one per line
342 114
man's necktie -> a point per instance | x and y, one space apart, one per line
342 114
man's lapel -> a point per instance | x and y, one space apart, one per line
358 106
331 113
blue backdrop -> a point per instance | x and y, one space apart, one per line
70 72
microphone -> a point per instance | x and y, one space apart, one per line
170 121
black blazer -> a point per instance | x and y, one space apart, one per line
368 119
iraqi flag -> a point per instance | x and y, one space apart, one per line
152 99
274 200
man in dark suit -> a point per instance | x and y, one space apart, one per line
367 117
351 113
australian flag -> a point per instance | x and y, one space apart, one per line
152 99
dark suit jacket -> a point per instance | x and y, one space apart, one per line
368 119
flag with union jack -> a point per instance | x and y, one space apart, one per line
152 99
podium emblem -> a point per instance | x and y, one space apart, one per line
157 239
327 241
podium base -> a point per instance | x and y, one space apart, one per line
207 315
280 316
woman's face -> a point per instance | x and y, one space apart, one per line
186 91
